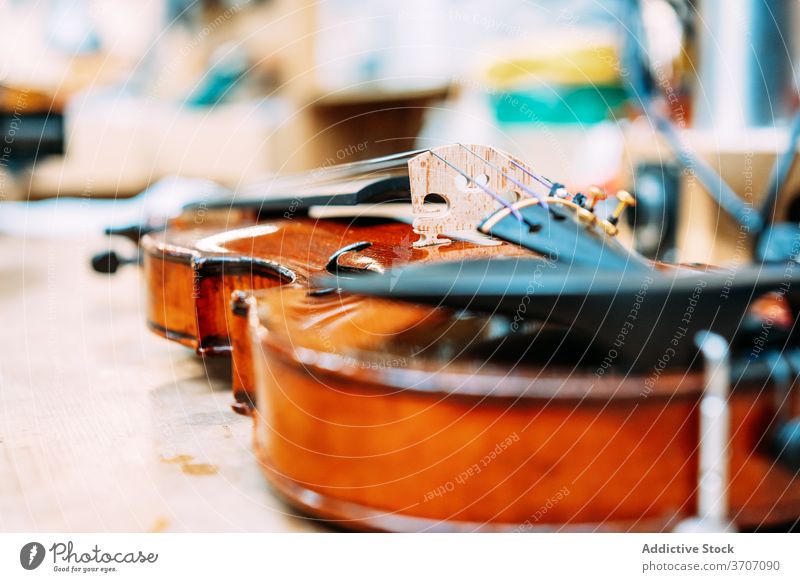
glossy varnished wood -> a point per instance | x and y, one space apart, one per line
379 415
193 273
351 428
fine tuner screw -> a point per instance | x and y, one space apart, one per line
595 195
625 199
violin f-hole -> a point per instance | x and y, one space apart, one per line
333 266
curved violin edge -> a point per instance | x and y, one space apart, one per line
189 292
356 517
341 445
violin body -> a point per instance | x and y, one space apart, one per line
355 429
456 409
198 279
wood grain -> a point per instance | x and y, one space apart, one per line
93 406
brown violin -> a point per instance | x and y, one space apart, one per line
464 345
199 276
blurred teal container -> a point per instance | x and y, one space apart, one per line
562 105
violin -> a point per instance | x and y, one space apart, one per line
489 358
198 277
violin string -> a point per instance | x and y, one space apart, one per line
541 179
490 192
353 169
511 179
258 189
358 168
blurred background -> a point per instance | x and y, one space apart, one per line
102 99
230 89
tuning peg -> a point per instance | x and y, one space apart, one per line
625 199
595 195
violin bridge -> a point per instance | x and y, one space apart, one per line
455 187
427 239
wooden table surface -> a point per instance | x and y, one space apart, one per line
103 425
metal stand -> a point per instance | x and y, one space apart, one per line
712 486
